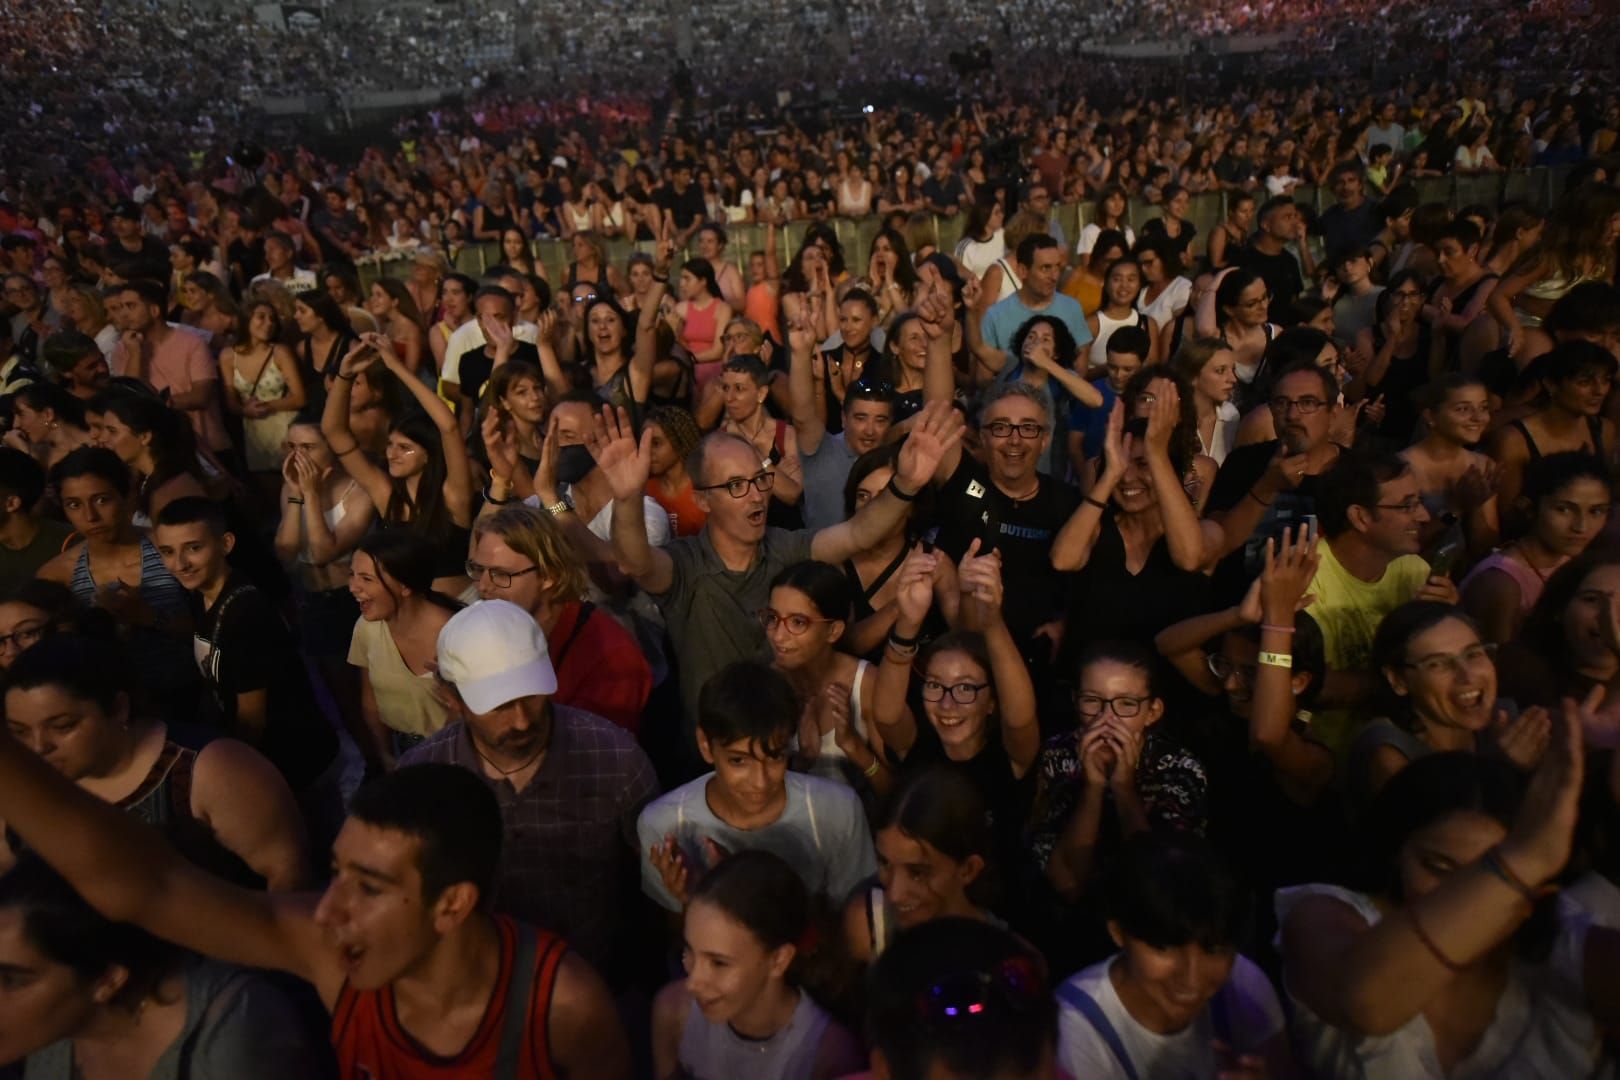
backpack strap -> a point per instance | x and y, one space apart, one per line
1087 1006
519 988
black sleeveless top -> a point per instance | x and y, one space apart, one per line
1594 424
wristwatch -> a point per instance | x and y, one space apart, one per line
560 507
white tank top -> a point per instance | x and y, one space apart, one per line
1105 330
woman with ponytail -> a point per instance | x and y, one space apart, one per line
740 1011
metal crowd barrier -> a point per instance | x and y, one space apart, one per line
1539 187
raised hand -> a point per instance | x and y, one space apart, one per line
1116 454
1287 470
979 578
545 470
1538 845
359 357
1342 428
801 339
1523 739
1287 576
499 445
384 349
914 590
1164 412
1476 486
308 477
936 429
1097 754
623 460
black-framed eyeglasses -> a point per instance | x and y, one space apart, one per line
963 693
1003 429
501 579
796 623
24 636
1440 663
738 486
1405 506
1223 669
1305 406
1124 706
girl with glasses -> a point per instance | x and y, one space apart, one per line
975 689
808 616
1115 774
1440 679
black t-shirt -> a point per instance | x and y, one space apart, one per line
1108 602
817 201
1007 797
1234 170
1345 229
150 261
1242 468
1181 242
242 645
1282 277
476 365
249 255
968 505
947 194
683 206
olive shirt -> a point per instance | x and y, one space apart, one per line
711 612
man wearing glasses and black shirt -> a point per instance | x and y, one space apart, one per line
1267 487
1009 506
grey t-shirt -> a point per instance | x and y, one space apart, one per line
825 472
711 611
1353 314
822 834
238 1027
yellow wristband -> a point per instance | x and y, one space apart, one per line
872 769
1277 659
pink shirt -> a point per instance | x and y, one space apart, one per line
176 364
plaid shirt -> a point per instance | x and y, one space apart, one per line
569 844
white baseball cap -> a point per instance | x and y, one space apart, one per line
494 653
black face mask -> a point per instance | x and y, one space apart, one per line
574 463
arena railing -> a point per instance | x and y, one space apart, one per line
1539 186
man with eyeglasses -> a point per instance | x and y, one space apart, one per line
1264 488
524 555
1011 507
30 322
1268 254
1372 518
709 585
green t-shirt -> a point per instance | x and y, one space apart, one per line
18 565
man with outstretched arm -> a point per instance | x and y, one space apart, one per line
709 586
401 942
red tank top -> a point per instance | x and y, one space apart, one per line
371 1045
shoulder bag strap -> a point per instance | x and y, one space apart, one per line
585 610
1087 1006
519 989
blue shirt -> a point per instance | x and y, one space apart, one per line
1093 422
1002 321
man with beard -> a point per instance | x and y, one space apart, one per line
569 783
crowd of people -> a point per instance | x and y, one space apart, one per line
1153 651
